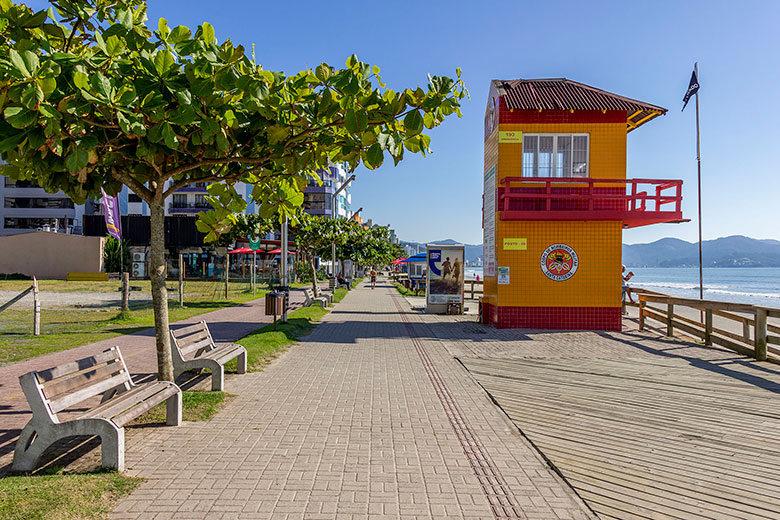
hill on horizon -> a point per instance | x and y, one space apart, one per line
732 251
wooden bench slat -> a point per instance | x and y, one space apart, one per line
53 373
221 352
195 347
121 402
163 393
187 330
192 338
76 380
92 390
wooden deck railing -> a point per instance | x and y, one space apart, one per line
753 317
472 288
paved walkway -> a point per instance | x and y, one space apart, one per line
138 349
368 416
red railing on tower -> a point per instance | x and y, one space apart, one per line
635 202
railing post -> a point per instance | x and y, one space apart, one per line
760 343
708 327
669 318
548 189
472 289
641 314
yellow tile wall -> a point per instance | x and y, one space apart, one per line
598 244
596 282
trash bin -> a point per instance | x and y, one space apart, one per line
274 303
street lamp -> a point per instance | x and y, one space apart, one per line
355 214
333 216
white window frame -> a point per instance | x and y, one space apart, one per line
555 152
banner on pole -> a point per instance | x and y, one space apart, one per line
693 88
112 216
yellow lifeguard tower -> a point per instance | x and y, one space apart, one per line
556 199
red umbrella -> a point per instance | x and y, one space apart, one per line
397 261
242 250
275 252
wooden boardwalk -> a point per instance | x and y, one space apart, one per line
650 437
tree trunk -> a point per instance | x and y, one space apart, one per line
314 282
159 292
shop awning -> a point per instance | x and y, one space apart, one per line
420 257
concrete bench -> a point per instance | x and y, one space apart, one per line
193 348
311 299
56 389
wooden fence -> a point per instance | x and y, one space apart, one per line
757 335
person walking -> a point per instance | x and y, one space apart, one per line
373 277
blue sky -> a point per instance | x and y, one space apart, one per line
643 50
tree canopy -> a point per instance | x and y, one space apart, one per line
92 98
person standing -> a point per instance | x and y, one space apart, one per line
373 277
625 277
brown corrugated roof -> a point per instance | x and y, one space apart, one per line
564 94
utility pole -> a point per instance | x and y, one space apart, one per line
283 265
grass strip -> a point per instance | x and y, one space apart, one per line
403 290
85 496
196 406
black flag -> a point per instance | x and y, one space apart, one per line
693 88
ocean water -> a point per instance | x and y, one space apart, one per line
754 285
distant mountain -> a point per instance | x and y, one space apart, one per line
473 252
733 251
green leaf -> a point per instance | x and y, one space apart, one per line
350 121
179 34
277 133
183 115
125 18
35 20
48 85
171 140
19 117
413 122
48 110
31 61
77 159
231 119
374 156
9 143
80 80
31 96
163 60
114 46
162 29
18 63
323 72
101 85
207 33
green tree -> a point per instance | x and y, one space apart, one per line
91 98
314 236
112 250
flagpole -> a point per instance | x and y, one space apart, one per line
698 161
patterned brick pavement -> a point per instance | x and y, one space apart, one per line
370 416
138 350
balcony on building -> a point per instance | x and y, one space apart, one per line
558 126
635 202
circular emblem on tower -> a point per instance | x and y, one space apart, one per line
559 262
